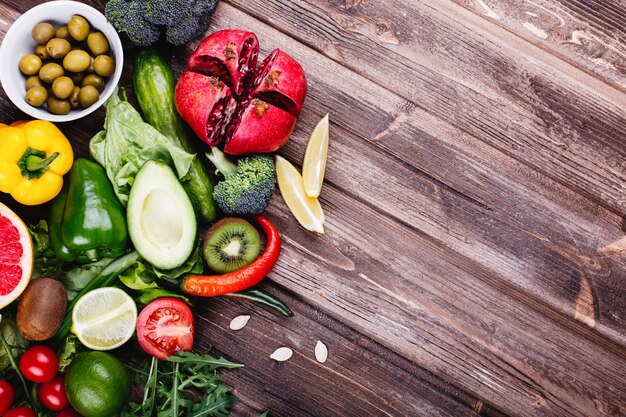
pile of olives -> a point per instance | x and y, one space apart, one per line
68 67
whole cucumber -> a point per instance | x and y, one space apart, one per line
154 85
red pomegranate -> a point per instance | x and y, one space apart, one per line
228 101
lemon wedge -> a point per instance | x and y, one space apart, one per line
315 159
307 210
104 318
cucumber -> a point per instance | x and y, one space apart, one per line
154 85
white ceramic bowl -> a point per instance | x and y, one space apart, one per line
18 42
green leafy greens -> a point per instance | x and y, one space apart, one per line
127 142
187 384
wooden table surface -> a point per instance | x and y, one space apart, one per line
474 261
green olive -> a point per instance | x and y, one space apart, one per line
30 64
50 72
89 69
78 28
58 106
62 33
74 102
76 61
63 87
103 65
33 81
57 48
88 95
36 96
97 43
77 77
42 52
93 80
42 32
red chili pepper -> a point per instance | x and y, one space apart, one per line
213 285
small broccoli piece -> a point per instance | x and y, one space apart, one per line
128 18
183 20
247 187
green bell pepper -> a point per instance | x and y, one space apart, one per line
87 221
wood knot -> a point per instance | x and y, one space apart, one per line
385 31
349 4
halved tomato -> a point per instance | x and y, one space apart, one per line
164 327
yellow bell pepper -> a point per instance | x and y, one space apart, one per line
35 156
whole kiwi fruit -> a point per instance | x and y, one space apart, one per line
41 308
230 244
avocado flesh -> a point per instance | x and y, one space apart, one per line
161 220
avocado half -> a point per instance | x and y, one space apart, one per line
161 222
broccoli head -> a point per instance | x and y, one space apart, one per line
128 18
247 186
144 21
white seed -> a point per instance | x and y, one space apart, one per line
281 354
321 352
239 322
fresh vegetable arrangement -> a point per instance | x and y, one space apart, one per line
137 233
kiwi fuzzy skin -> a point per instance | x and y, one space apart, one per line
223 226
41 309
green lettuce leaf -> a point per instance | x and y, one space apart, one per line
127 142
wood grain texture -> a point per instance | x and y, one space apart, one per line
475 259
588 34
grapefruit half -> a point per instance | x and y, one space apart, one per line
16 256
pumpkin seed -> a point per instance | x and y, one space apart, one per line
239 322
321 352
281 354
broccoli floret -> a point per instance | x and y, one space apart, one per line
128 18
188 29
247 187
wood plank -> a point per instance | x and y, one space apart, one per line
360 378
481 78
588 34
536 235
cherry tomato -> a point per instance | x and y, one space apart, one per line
164 327
52 394
6 396
39 364
69 412
21 411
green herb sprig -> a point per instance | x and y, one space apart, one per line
187 384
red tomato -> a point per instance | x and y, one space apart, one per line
164 327
69 412
21 411
6 396
52 395
39 364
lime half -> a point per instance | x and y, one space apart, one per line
104 318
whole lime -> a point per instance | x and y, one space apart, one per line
97 384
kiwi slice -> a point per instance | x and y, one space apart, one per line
230 244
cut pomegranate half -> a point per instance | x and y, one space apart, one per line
230 55
206 104
258 127
280 81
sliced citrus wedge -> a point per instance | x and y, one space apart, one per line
307 210
315 159
16 256
104 318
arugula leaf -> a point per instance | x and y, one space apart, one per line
187 384
203 360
